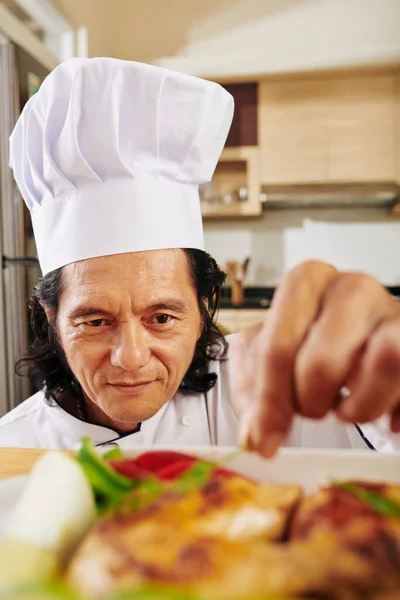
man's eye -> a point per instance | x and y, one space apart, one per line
162 319
97 322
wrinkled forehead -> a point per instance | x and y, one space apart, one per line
146 273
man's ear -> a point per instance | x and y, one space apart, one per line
48 311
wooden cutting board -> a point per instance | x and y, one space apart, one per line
17 461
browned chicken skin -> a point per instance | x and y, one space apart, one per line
230 541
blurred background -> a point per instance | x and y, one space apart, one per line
312 163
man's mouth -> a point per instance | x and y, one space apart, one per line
130 387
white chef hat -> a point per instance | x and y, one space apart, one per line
109 154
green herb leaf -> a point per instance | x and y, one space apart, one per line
371 498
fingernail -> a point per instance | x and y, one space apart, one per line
395 425
272 443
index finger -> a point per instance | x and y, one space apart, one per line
295 306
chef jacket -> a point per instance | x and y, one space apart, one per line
194 419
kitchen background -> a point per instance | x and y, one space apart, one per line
312 163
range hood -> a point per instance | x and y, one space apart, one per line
332 195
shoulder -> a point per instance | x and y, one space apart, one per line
24 410
17 422
229 339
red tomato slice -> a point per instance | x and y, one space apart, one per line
150 463
174 470
129 468
166 465
156 460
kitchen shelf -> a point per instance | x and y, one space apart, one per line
237 168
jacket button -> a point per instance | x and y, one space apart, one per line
109 445
186 421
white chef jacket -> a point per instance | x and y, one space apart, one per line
196 419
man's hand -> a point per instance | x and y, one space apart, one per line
325 331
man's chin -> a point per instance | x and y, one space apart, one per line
125 415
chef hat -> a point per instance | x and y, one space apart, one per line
109 154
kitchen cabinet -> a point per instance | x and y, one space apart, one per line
292 132
360 129
244 129
233 320
327 129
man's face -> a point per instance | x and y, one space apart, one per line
128 325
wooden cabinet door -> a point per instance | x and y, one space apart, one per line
292 131
360 129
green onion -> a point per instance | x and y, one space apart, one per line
41 591
110 488
373 499
195 478
159 593
113 454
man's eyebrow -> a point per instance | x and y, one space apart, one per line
84 310
174 305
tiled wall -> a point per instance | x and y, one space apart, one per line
273 246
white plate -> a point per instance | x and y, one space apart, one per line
10 491
307 467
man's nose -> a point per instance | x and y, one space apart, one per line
131 349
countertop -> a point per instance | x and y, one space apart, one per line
17 461
261 297
255 297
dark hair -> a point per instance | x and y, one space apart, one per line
45 363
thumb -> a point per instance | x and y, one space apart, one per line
271 410
242 359
261 400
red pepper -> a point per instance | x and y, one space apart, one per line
179 468
166 465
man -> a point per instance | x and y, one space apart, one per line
108 157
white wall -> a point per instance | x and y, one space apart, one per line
250 37
277 240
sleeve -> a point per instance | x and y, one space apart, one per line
380 436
